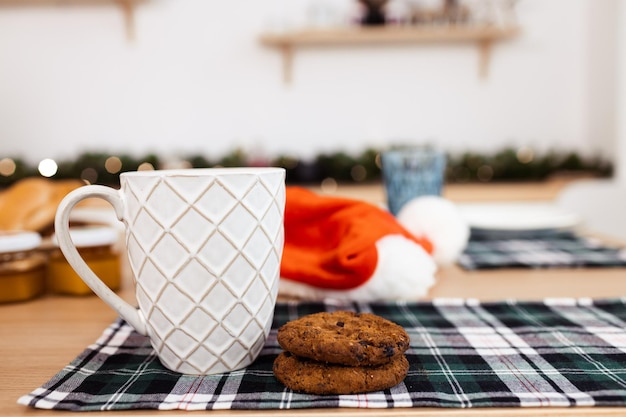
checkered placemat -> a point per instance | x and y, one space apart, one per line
463 353
538 250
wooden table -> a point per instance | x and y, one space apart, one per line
40 337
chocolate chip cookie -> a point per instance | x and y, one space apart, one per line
345 338
313 377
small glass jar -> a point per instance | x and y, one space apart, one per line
97 247
22 266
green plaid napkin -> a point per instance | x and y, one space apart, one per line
463 353
552 249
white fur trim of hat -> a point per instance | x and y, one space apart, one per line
404 271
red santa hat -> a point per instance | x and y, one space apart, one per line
350 249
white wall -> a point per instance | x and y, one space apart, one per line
621 96
196 80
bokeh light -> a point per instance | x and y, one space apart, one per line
113 164
90 175
462 174
329 185
378 161
484 173
7 167
47 167
525 155
358 173
145 166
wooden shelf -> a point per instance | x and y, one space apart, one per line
127 7
483 36
129 17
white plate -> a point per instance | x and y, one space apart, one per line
517 216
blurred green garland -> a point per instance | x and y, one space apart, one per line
504 165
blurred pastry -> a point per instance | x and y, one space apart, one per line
31 203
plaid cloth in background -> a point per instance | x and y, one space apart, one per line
463 354
551 249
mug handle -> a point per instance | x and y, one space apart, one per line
61 225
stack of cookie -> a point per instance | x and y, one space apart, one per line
342 352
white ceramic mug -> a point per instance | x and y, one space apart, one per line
204 247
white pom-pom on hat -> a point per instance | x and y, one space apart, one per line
441 222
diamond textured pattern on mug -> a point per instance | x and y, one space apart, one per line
175 304
250 335
273 222
151 230
258 201
273 184
268 307
270 268
189 226
161 325
187 281
238 225
167 205
259 287
169 255
200 324
237 320
219 301
236 355
216 253
152 287
181 343
192 228
241 274
258 247
215 203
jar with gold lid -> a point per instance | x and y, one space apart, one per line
22 266
97 247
